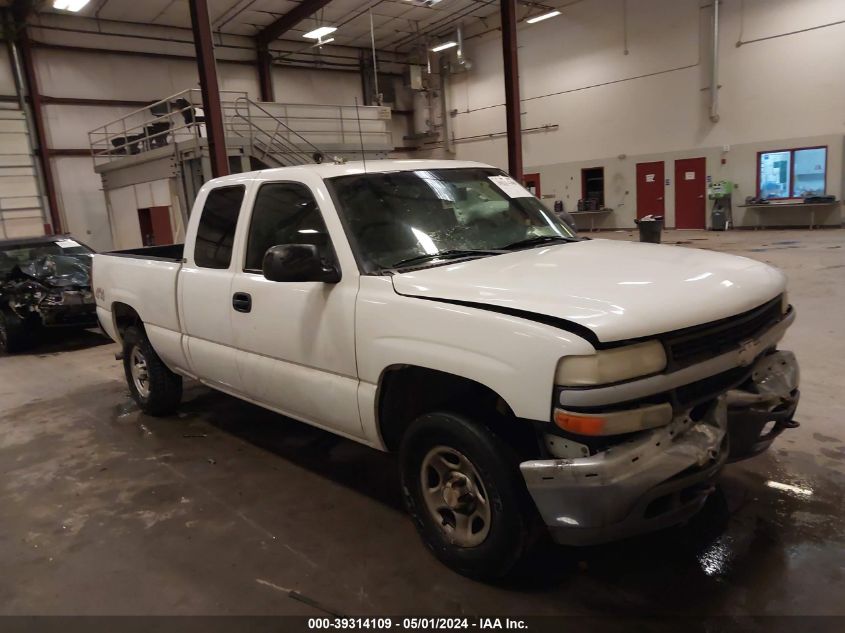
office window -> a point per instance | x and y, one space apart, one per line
592 189
216 230
285 213
792 173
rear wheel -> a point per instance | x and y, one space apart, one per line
155 388
15 334
463 489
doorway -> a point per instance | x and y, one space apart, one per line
690 190
592 188
650 189
532 183
155 226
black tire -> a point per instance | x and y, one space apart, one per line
15 334
163 387
512 514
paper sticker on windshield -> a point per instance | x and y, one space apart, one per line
66 244
511 187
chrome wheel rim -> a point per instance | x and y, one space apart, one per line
140 372
455 496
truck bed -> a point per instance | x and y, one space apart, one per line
143 278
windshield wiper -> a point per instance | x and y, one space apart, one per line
447 254
539 239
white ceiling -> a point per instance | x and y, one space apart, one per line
397 23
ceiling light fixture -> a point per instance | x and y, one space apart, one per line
443 46
544 16
69 5
318 33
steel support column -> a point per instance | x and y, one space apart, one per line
264 61
207 67
512 105
36 105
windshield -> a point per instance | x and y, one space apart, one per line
407 217
12 255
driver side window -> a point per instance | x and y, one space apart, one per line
285 213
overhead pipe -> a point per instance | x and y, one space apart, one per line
714 66
378 95
445 115
459 36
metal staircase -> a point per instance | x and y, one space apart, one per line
158 155
272 140
278 134
22 204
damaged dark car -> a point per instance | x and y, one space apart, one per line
45 282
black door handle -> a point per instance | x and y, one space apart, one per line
242 302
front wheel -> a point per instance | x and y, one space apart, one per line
463 489
155 388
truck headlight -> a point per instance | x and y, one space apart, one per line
611 365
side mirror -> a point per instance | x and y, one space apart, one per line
297 262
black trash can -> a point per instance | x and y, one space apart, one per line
650 227
718 220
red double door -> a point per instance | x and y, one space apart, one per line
690 191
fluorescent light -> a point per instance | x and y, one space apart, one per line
443 46
69 5
544 16
318 33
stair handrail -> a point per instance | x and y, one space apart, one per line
276 136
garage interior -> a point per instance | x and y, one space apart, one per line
722 117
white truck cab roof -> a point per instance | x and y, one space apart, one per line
331 169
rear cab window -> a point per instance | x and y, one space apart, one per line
217 225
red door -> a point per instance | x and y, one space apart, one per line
160 220
690 189
532 183
650 189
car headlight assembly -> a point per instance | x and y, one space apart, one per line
611 365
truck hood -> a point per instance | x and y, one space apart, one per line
619 290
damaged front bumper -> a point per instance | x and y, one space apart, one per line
70 308
663 476
764 406
57 308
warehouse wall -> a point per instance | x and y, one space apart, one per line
615 109
115 76
106 62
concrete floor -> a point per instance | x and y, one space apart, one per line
228 509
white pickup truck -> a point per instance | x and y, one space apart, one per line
436 308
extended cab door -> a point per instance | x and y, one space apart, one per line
296 342
205 289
